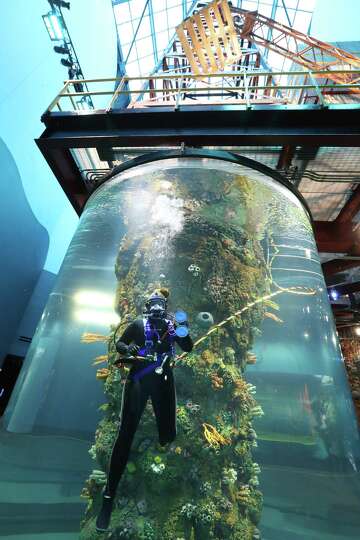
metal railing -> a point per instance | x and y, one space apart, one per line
245 88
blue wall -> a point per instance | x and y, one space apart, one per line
24 245
30 195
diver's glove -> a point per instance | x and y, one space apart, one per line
121 347
127 350
133 350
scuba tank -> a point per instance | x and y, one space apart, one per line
182 325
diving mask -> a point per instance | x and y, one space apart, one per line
156 307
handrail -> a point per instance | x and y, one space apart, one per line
229 88
218 74
311 82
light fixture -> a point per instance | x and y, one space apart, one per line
95 299
78 87
95 307
357 330
334 295
53 26
65 62
94 316
61 49
60 3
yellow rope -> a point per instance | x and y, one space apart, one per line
307 291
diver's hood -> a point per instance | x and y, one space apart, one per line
156 306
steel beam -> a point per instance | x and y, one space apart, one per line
63 165
336 237
136 31
153 31
297 46
197 126
203 125
346 288
285 157
286 13
351 208
269 31
338 265
184 9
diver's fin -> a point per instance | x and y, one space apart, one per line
103 519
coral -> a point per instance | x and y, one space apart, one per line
213 437
256 411
148 532
243 392
102 373
184 419
273 317
206 488
250 358
243 495
229 475
208 357
188 510
205 319
216 381
100 359
229 355
89 337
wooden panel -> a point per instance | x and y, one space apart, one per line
214 40
202 30
230 25
187 50
200 50
209 38
222 30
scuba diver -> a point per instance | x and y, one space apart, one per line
148 345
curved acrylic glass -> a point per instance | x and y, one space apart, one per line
224 238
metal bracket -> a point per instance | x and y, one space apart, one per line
322 102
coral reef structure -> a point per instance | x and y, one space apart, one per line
198 234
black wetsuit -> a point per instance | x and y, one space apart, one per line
160 388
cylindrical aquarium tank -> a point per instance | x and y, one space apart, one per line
267 441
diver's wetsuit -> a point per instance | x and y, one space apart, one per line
138 388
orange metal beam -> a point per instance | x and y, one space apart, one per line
302 49
338 265
351 208
337 237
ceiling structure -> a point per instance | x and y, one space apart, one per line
146 28
310 134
